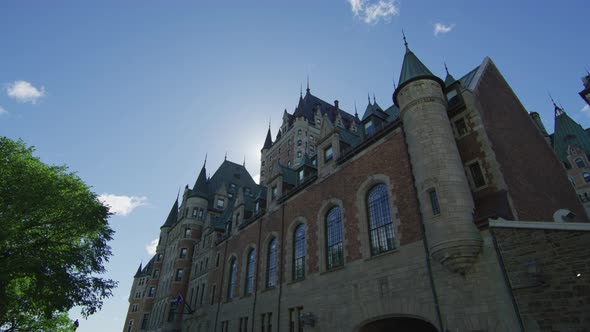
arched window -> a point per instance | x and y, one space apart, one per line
250 272
231 282
380 222
299 253
587 177
580 163
271 267
334 256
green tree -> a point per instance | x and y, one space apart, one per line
54 236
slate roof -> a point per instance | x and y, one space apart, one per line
268 140
200 187
468 78
172 216
308 104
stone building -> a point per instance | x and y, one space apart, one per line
367 224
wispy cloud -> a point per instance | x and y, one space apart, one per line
371 12
586 109
24 92
121 204
440 28
3 110
151 247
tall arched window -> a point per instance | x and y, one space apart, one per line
271 267
380 221
250 272
231 282
299 253
334 256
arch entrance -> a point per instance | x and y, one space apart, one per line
398 324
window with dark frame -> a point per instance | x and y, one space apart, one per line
250 271
232 279
334 252
271 268
183 252
587 177
461 127
477 175
434 202
380 220
580 163
328 154
299 253
187 232
178 275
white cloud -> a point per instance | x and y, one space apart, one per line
586 109
441 28
122 205
151 247
24 92
3 110
371 12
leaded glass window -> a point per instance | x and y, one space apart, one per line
299 253
271 268
380 221
334 238
232 279
250 272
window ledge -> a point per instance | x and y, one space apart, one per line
295 281
334 269
268 289
387 253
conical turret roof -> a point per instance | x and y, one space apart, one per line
268 141
138 273
200 188
172 216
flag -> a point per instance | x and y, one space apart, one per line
179 299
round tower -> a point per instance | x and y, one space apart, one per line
443 192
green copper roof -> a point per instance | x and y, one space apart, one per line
568 132
172 216
466 80
537 120
412 67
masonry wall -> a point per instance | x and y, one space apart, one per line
527 162
549 273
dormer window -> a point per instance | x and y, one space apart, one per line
328 154
232 185
275 192
301 174
369 129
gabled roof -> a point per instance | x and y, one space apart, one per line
374 110
172 216
309 103
568 132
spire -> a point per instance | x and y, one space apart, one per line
374 100
301 91
356 113
138 273
268 140
369 98
244 164
205 162
412 69
225 158
172 216
449 79
200 188
558 110
307 90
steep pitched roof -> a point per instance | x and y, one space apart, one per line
138 273
268 140
309 103
200 188
412 68
172 216
568 132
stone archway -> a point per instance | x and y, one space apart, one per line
398 324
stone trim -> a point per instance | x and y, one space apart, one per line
565 226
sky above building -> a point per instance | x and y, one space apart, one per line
132 95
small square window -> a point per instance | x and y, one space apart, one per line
587 177
178 275
301 173
299 132
187 232
275 192
183 252
220 203
299 154
156 273
152 292
299 142
477 175
328 154
461 127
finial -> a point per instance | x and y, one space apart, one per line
394 85
225 155
307 83
553 101
244 164
205 163
446 69
355 111
369 98
374 100
178 194
301 90
405 40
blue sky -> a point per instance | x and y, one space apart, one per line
132 96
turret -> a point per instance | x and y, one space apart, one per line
263 151
443 192
170 221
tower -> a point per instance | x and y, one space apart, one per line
443 192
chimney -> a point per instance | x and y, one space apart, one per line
336 104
